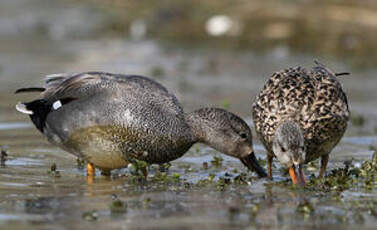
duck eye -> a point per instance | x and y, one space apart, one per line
283 149
243 135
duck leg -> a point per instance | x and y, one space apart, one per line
90 170
324 161
269 164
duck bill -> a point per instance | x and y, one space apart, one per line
297 175
251 162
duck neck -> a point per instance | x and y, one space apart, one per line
198 126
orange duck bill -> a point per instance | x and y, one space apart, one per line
297 175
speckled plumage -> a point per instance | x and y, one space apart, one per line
116 118
313 99
111 119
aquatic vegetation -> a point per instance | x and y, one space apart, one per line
346 177
53 171
138 168
357 120
164 167
165 178
3 156
305 208
339 179
312 166
80 163
118 206
145 203
368 172
217 161
254 211
225 104
157 71
90 215
262 162
176 176
241 179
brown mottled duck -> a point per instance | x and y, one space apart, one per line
299 116
112 119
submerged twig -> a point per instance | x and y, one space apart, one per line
4 156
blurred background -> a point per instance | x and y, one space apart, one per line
207 52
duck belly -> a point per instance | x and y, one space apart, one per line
99 145
111 147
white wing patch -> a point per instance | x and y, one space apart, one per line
57 104
21 107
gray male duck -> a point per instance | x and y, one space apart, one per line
112 119
299 116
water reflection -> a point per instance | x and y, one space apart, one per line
38 38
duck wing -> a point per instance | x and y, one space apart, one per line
329 114
287 95
87 84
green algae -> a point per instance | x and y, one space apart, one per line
90 215
157 71
339 179
54 171
80 163
305 208
118 207
3 155
225 104
139 168
217 161
344 178
357 120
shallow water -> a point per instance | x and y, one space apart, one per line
29 195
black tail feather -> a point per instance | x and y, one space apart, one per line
322 66
342 74
31 89
41 108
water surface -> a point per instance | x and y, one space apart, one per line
34 43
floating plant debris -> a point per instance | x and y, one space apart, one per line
118 206
164 167
139 168
4 155
357 120
305 208
217 161
90 215
53 171
343 178
80 163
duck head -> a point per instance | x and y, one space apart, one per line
289 148
227 133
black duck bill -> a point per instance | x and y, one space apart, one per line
251 162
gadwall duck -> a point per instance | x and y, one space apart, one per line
112 119
300 116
